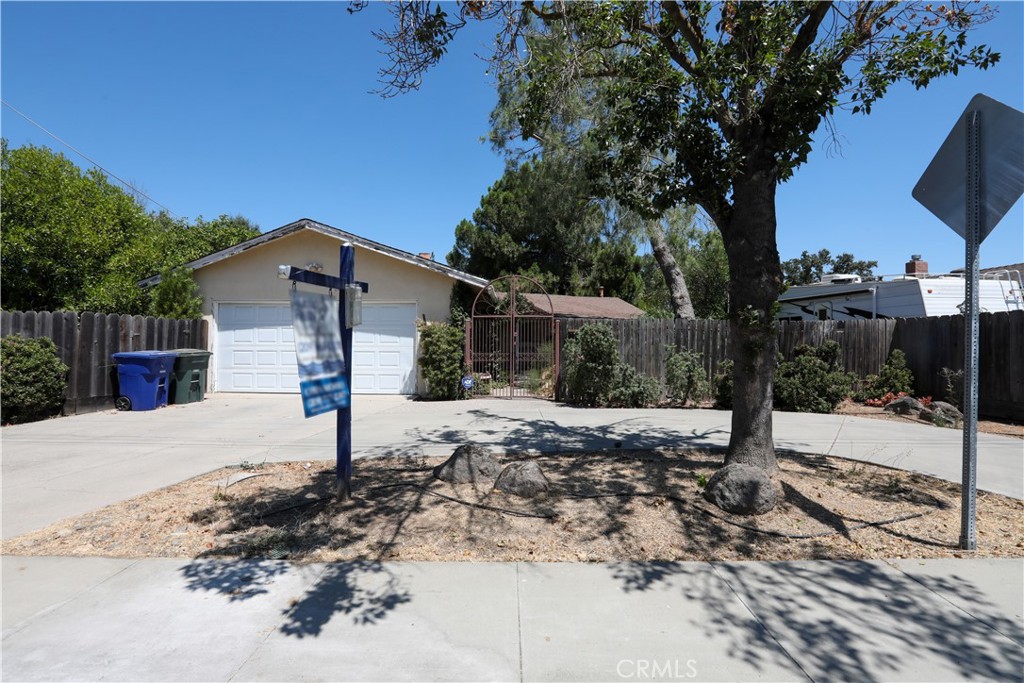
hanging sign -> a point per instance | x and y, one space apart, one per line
319 354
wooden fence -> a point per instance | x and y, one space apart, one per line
86 341
930 345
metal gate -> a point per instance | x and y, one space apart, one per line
512 340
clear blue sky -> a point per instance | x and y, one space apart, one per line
265 109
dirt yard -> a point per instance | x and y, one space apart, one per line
849 407
601 506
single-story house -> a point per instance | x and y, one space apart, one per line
249 313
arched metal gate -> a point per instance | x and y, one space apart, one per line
512 340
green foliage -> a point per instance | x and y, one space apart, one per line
441 351
686 380
894 377
32 379
591 358
809 268
723 385
71 240
953 386
176 295
633 389
814 381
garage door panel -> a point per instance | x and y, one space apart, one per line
255 349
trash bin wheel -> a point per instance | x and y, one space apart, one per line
123 403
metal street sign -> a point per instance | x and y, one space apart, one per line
943 187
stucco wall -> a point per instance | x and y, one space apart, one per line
251 277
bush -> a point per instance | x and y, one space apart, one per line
814 381
591 365
723 385
441 351
685 377
632 389
894 378
33 380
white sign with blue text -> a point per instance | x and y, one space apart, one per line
319 354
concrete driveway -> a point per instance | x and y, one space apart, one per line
68 466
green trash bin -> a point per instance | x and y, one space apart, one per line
188 379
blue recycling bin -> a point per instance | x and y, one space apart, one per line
143 379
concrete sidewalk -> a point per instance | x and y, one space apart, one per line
64 467
179 620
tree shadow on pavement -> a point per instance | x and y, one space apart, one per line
850 620
537 433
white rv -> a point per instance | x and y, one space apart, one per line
848 297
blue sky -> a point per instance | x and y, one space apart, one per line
265 109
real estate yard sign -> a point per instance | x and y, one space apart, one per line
319 353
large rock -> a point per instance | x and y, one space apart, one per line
942 413
742 489
904 406
469 463
524 479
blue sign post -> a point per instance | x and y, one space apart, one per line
345 281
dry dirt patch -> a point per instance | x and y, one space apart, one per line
602 506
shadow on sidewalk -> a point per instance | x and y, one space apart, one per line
364 590
845 620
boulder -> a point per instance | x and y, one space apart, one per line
904 406
523 479
942 413
742 489
469 463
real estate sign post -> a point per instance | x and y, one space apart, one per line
988 143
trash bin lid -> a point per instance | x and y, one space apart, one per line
191 352
143 355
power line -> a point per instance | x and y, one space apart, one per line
123 182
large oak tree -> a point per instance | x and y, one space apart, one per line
713 105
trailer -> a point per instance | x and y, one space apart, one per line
850 297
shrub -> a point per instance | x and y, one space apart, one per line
591 365
32 379
685 377
632 389
723 385
441 351
814 381
177 295
894 378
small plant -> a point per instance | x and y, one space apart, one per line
702 481
814 381
953 381
685 377
894 378
32 379
441 351
633 389
252 466
723 385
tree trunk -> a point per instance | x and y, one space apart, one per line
754 286
682 307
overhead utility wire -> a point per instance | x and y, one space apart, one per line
123 182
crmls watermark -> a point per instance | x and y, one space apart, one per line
656 669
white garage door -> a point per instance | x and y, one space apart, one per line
255 350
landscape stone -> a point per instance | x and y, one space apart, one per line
943 413
904 406
469 463
742 489
523 479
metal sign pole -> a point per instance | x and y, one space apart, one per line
347 274
972 237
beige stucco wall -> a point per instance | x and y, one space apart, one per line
251 277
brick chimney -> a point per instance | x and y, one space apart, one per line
600 291
427 255
917 267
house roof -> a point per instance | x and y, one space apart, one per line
1019 267
341 235
584 306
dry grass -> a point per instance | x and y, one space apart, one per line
603 506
